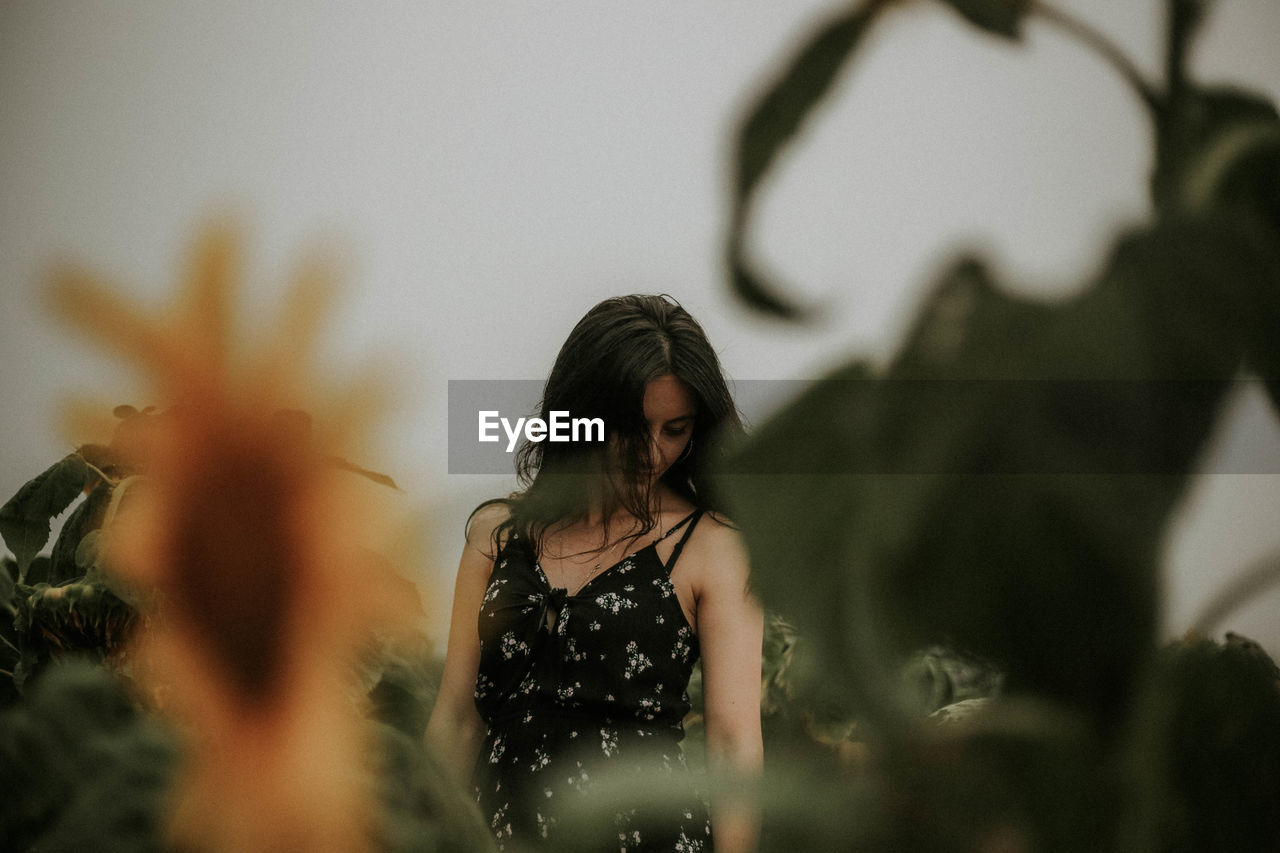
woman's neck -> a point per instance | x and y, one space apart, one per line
602 512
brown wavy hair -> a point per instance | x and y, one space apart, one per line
602 370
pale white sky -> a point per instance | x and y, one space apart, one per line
495 168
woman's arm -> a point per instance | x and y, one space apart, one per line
730 632
455 729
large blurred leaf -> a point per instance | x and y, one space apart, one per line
1004 486
1239 166
24 520
1001 17
1234 164
1017 776
769 128
1205 137
792 488
1205 751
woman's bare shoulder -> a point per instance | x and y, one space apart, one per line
720 550
717 520
484 523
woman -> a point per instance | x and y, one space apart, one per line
583 602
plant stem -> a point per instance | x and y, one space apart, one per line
1184 19
96 470
1108 50
9 644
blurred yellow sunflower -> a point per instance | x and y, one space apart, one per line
257 555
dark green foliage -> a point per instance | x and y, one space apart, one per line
1207 749
784 106
1005 483
91 769
1219 151
39 570
80 619
10 651
62 605
800 576
83 769
1001 17
69 604
403 680
781 110
1016 779
938 677
424 812
1004 487
71 558
24 520
52 610
778 657
769 127
1225 741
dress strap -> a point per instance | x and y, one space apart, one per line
681 523
692 519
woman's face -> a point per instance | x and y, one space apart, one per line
669 412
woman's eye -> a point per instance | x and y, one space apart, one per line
677 431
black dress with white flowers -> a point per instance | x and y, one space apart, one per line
584 687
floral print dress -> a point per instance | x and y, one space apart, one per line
583 687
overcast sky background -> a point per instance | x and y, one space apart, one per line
493 169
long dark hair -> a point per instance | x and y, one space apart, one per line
612 354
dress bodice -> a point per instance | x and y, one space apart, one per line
618 648
578 687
